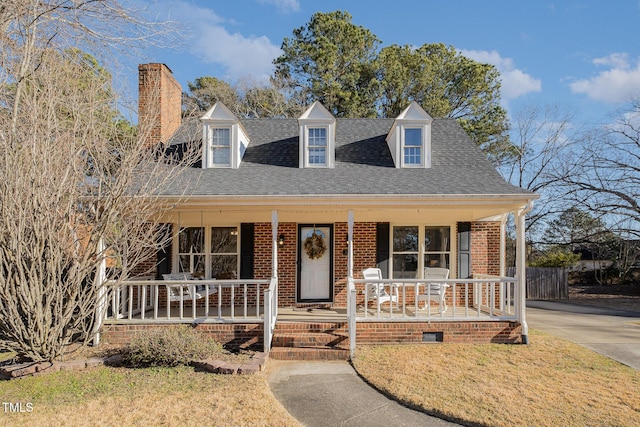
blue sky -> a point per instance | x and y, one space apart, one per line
582 54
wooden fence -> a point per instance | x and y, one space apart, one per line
545 283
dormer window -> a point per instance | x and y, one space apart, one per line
317 137
221 146
317 147
224 140
412 147
409 139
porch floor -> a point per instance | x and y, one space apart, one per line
304 314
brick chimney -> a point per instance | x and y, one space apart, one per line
159 103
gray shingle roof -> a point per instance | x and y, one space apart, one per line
363 164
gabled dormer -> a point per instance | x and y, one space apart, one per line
317 137
409 139
224 140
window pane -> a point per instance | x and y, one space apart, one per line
224 240
221 137
436 239
221 155
405 239
224 266
317 156
436 260
405 266
412 156
191 240
413 137
317 137
192 264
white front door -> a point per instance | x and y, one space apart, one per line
315 249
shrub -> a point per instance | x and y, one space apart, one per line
169 347
556 259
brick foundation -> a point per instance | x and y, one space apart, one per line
237 335
452 332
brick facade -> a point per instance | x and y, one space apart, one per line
485 248
159 103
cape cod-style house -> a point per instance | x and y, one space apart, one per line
323 232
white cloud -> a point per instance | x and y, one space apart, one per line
212 41
284 6
515 82
617 84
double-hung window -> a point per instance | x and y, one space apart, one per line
317 147
191 254
221 147
209 252
412 150
415 247
405 252
224 252
437 247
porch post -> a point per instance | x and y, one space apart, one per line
350 246
503 245
100 278
521 268
274 243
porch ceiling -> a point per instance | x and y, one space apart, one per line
396 208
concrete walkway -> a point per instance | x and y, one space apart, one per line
332 394
610 332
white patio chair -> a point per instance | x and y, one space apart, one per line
188 291
378 291
435 292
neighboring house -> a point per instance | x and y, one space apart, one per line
300 207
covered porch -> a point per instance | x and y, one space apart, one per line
271 294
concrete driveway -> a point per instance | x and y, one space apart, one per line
610 332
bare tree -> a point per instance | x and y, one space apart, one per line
603 174
539 137
74 189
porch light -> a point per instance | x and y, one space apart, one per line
281 240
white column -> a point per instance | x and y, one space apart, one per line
101 292
350 245
503 245
521 268
274 243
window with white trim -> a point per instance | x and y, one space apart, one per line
410 257
437 246
191 253
405 252
221 146
224 252
209 252
317 146
412 147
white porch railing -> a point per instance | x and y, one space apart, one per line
483 299
233 300
270 313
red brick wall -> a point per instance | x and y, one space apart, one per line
230 334
485 248
364 249
452 332
252 335
159 103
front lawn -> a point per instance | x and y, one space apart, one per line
142 397
550 382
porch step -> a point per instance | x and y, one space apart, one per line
306 353
310 341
